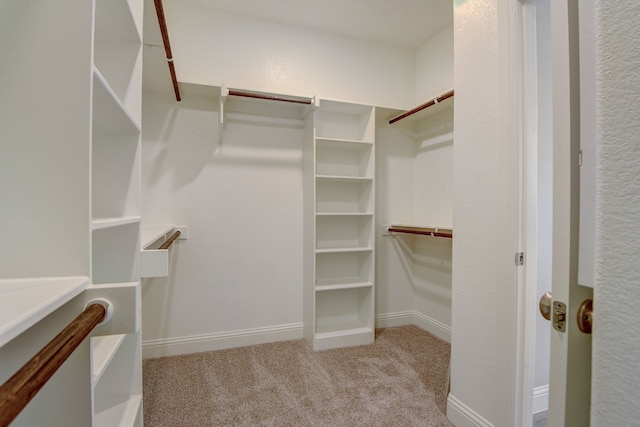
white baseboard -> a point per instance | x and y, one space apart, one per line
463 416
393 320
433 326
231 339
540 398
413 317
220 340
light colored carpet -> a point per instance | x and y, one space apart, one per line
397 381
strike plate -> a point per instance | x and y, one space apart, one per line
559 316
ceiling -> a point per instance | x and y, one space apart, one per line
401 23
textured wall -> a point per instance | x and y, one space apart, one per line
434 66
484 214
214 48
616 338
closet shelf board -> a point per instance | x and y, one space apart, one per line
101 223
109 114
340 330
343 250
343 142
24 302
343 178
334 285
151 233
339 214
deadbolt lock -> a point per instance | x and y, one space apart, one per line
559 316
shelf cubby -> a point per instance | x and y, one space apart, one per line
118 393
115 175
344 158
343 231
350 269
115 255
339 195
117 51
103 348
344 317
346 121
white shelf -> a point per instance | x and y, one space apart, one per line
343 250
24 302
118 412
101 223
102 351
344 178
347 283
109 114
340 329
151 233
342 143
343 214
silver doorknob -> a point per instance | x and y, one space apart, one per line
545 305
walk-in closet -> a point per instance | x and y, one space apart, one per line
242 180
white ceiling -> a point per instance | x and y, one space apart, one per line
401 23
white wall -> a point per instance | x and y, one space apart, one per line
434 66
241 267
484 219
240 270
616 336
395 172
414 186
249 53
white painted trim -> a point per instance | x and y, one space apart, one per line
527 294
240 338
220 340
433 326
414 317
463 416
392 320
541 398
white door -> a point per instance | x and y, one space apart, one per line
570 366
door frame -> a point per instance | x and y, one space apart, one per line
524 69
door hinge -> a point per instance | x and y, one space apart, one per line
519 258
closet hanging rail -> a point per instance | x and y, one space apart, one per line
167 46
170 240
270 97
423 231
18 391
421 107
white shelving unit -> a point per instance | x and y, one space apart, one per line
339 225
71 105
115 200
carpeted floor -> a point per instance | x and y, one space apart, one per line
397 381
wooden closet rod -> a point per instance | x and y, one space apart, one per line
434 232
170 240
421 107
24 384
167 46
270 97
